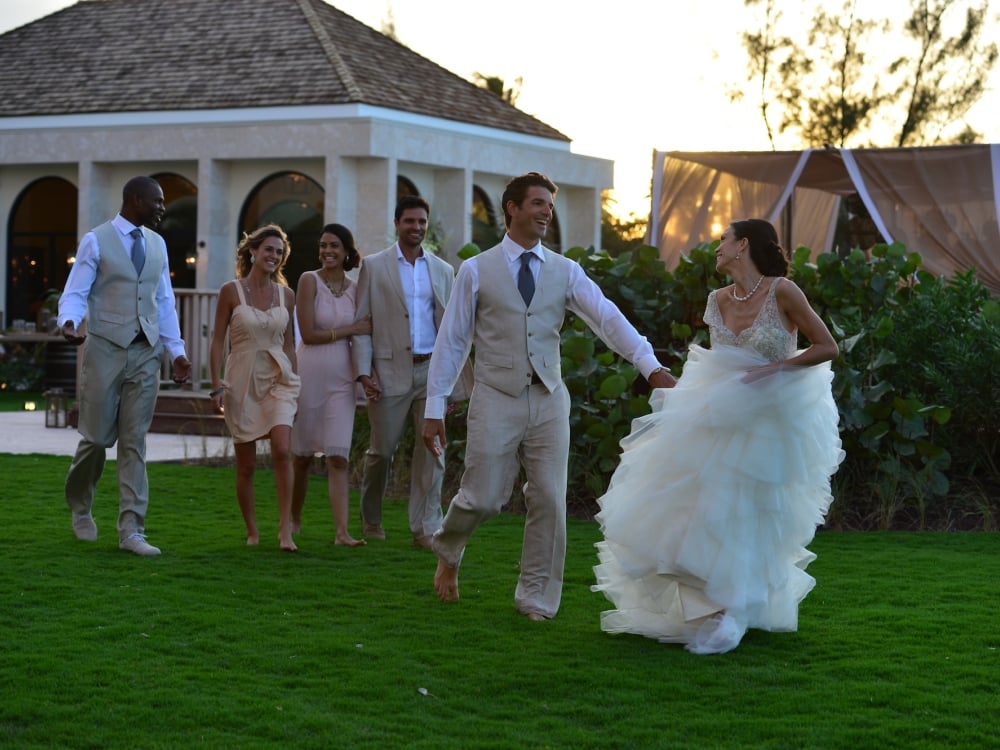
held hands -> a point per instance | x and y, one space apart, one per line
70 333
434 436
373 392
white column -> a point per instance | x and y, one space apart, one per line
216 225
451 211
579 211
375 188
95 196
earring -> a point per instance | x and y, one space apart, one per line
251 260
738 255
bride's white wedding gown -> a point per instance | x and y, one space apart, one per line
719 490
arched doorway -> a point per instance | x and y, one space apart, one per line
41 241
295 203
179 227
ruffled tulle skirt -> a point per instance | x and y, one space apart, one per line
719 490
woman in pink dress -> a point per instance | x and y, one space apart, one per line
260 390
327 404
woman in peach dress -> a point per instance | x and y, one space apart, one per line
259 388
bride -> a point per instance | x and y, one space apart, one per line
722 486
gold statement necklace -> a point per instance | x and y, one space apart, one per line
336 292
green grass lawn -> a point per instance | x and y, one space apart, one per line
217 645
15 400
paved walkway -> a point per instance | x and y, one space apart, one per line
25 432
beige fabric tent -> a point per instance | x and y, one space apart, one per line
940 201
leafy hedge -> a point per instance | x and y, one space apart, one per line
917 382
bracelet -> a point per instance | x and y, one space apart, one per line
659 369
333 335
216 391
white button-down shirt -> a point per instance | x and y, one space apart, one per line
73 302
583 297
416 281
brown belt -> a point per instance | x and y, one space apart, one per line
418 358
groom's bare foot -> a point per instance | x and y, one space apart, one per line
446 582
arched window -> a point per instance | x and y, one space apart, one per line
404 188
486 231
553 236
180 227
295 203
41 241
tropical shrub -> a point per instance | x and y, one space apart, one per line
917 383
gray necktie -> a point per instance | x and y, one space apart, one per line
138 250
525 281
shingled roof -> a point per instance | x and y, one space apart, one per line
156 55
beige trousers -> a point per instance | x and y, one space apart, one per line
532 430
118 390
387 418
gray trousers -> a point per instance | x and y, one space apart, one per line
387 418
118 390
532 430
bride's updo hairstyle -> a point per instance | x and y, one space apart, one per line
765 252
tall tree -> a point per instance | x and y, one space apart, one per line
764 48
948 75
498 86
620 235
838 90
389 24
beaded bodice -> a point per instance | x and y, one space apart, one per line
766 335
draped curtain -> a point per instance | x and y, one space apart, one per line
939 201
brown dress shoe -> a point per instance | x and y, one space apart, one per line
422 541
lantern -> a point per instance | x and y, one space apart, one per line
56 406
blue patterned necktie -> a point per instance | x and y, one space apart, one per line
138 250
525 281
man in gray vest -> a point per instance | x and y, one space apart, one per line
508 304
120 282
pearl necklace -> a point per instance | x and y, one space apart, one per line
262 318
336 292
738 298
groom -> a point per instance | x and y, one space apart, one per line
509 303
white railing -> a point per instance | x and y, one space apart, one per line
196 312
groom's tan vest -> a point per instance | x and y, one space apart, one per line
121 303
513 341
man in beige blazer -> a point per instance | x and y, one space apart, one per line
405 290
120 283
508 305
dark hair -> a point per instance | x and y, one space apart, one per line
254 240
138 186
765 251
517 190
342 233
411 201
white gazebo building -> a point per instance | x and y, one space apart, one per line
248 112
